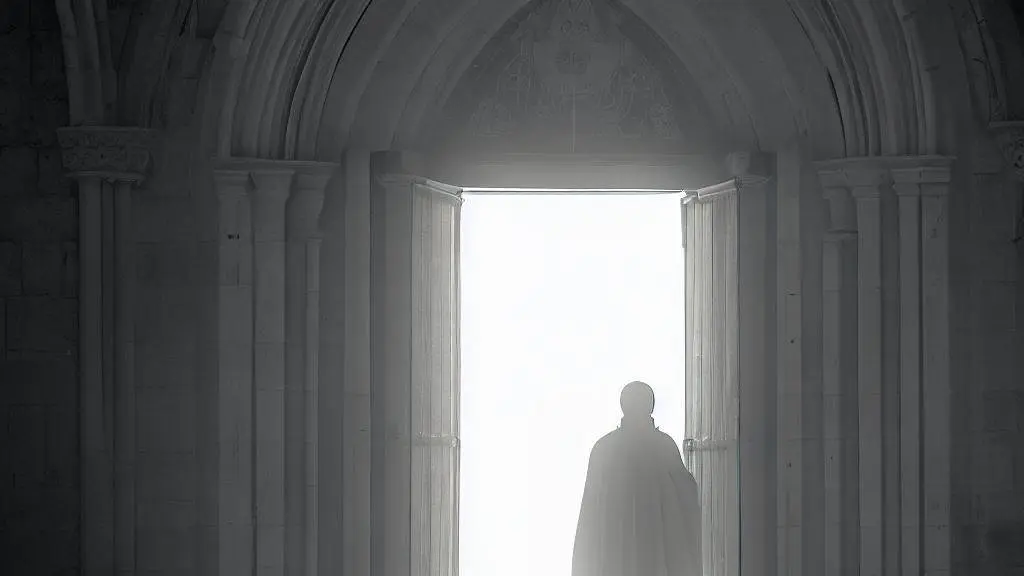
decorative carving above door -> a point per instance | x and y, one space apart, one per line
567 76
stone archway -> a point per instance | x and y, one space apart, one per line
291 82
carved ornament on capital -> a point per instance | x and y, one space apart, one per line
116 153
1010 138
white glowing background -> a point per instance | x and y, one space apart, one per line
565 299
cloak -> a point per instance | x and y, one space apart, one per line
640 514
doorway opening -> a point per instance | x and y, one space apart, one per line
565 298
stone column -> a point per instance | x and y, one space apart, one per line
839 309
343 444
924 190
912 184
271 188
915 489
107 162
269 322
867 182
124 375
235 373
302 336
414 384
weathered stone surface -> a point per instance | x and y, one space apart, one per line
52 180
42 324
10 269
569 75
15 17
45 269
18 165
1010 137
47 110
12 106
47 219
39 498
107 151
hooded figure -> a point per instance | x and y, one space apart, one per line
640 514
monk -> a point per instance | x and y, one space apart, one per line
640 514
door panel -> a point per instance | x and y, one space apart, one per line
414 324
712 407
435 384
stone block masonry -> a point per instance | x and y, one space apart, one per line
39 508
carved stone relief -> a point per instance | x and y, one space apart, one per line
982 61
1010 138
564 72
110 152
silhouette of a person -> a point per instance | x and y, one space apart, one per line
640 514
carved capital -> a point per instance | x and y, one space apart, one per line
842 213
307 198
1010 138
114 153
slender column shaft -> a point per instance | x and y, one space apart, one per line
839 287
270 194
312 389
124 377
869 375
107 314
415 382
910 375
106 161
345 447
302 210
841 425
96 482
295 399
236 510
790 390
832 396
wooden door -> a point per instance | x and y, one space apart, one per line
710 449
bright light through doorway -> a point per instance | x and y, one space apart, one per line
565 299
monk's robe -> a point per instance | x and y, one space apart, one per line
640 514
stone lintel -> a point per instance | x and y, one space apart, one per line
114 153
1009 137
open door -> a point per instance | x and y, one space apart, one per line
414 325
710 450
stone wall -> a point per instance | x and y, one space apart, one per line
39 498
176 428
988 499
